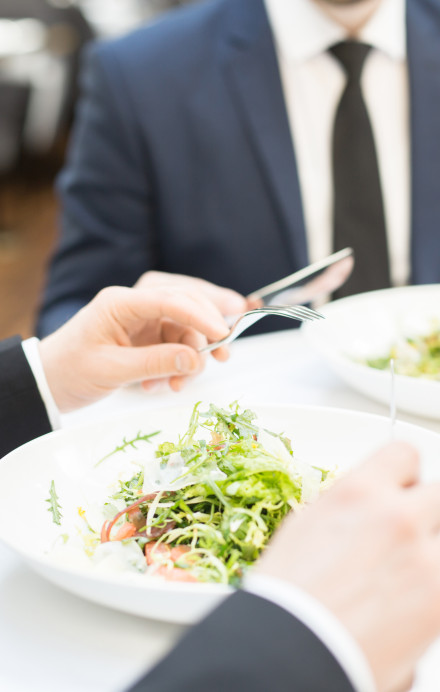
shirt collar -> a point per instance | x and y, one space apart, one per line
302 30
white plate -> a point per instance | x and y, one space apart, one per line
328 437
366 326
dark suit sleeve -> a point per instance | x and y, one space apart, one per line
105 197
23 415
246 644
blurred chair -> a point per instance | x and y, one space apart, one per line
14 100
40 42
40 46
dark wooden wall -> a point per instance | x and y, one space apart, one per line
28 218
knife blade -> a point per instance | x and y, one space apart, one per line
311 283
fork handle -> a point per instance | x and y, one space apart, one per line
210 347
240 325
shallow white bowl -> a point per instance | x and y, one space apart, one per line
366 326
328 437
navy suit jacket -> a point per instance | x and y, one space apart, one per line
182 159
247 645
23 415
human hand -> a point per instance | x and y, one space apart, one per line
229 302
369 550
127 335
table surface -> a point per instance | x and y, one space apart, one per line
54 641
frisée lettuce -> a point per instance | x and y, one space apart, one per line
205 507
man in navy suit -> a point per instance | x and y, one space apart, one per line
182 158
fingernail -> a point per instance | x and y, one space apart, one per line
184 362
236 303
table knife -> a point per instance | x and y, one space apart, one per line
311 283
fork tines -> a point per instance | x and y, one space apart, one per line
294 311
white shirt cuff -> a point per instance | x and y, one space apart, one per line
32 353
321 622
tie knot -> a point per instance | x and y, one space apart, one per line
351 55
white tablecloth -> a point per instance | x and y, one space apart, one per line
51 641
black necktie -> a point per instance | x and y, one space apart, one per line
358 213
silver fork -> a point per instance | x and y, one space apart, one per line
247 319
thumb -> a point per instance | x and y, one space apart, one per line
135 364
230 302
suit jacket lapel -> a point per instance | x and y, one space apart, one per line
424 76
251 69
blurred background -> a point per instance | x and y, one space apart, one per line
40 47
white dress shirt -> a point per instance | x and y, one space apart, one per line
31 351
313 82
309 611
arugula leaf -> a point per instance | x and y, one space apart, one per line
128 443
54 506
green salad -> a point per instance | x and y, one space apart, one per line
204 507
416 356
